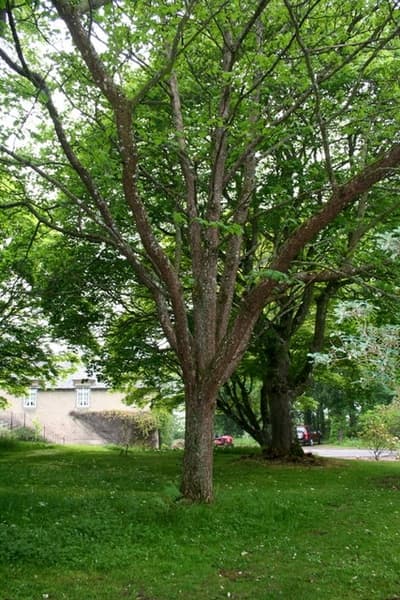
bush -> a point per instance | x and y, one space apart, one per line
393 418
26 434
379 429
7 442
165 423
124 428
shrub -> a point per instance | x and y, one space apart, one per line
123 428
27 434
379 428
7 442
165 425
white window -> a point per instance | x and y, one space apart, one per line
82 397
30 400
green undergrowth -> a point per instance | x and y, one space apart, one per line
89 523
348 442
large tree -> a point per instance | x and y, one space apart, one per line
26 351
153 129
279 363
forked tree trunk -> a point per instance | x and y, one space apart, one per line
197 481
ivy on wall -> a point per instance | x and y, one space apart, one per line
122 427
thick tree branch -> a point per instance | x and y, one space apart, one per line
240 216
317 343
86 6
236 342
189 177
345 272
205 290
122 108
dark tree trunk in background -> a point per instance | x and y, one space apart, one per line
265 420
279 399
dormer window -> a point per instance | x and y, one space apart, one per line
82 387
30 400
82 397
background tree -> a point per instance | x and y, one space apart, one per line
380 428
26 352
153 135
292 332
360 367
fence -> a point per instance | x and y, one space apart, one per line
11 420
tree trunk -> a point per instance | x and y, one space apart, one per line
197 481
281 424
265 432
278 393
263 437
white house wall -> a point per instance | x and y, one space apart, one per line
51 416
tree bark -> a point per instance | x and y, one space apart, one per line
281 424
279 401
197 481
210 330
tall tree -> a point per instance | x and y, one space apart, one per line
290 340
25 344
151 129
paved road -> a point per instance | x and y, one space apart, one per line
354 453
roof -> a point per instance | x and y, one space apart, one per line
77 378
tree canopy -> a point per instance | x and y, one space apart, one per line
208 146
25 342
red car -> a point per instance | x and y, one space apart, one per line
223 440
307 437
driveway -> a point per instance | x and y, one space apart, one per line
353 453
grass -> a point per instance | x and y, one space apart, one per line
87 523
348 442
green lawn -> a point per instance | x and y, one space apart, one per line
86 524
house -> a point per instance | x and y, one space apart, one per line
73 412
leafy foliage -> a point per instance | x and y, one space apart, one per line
213 155
25 344
122 427
380 429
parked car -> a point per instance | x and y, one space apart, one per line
306 436
223 440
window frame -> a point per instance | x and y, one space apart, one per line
30 400
82 399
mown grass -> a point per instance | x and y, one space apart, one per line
88 524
